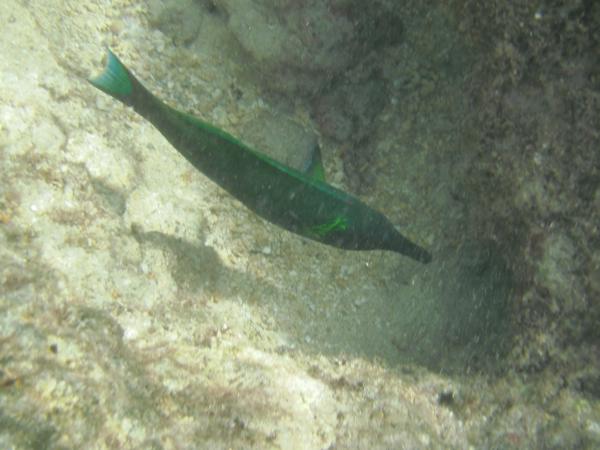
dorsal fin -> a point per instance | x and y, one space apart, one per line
314 166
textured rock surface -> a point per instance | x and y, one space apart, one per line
300 46
537 95
141 307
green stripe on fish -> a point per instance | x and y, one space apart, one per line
320 231
302 203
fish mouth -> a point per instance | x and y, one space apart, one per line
396 242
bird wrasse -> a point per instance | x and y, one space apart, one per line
300 202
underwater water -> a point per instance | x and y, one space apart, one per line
145 305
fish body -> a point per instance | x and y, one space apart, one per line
295 201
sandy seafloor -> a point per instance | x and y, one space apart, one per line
142 307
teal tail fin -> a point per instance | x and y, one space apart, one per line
116 80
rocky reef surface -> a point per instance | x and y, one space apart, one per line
142 307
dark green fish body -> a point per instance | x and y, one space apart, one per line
293 200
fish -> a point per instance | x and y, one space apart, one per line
301 202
